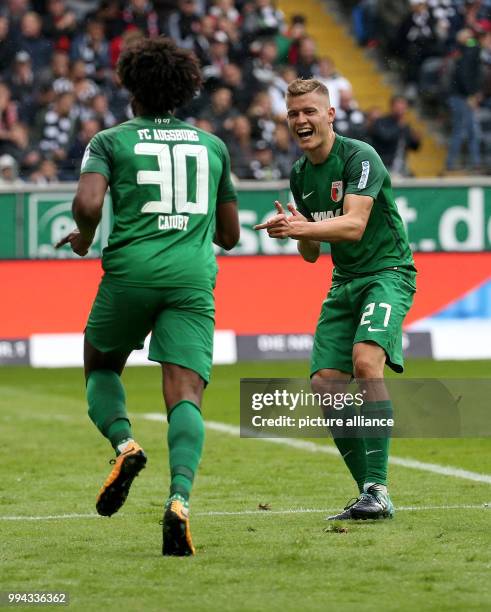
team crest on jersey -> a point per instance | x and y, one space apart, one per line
337 191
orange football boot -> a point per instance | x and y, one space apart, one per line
115 490
176 532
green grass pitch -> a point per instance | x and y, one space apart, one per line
53 462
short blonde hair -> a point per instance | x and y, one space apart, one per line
300 87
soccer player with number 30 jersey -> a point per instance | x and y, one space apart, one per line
172 199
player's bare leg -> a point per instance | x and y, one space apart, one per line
107 409
183 391
369 361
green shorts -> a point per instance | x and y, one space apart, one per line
181 320
371 308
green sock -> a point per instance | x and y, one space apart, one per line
107 405
185 438
377 448
352 449
353 453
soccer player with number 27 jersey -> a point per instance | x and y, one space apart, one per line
172 197
343 196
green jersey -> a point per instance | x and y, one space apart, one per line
319 190
166 179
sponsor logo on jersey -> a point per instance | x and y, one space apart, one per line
365 171
337 191
327 214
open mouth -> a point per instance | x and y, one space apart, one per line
304 133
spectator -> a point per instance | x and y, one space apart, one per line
365 22
70 166
32 40
349 120
326 73
286 39
296 33
17 143
261 116
263 165
9 173
486 69
217 57
8 45
140 14
84 89
205 30
183 24
59 24
392 137
237 52
24 86
232 77
264 20
240 147
261 73
101 112
220 112
277 91
56 127
465 97
472 14
119 99
285 152
8 113
92 48
111 14
372 114
204 124
307 60
416 41
119 43
54 78
225 9
46 173
14 10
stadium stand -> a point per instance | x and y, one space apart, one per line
441 51
58 83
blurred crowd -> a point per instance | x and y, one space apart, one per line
443 48
58 85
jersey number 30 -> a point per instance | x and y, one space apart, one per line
163 177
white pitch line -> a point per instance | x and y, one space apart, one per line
55 517
52 517
328 510
311 447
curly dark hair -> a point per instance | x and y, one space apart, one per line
160 76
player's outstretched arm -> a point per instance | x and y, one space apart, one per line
227 232
87 211
349 227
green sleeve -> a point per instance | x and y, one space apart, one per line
97 156
226 190
365 173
